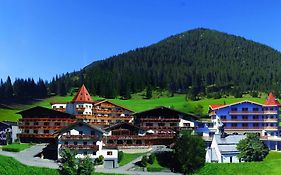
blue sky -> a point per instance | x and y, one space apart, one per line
42 38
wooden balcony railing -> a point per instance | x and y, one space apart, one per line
65 120
79 137
41 127
71 146
137 137
160 127
36 135
80 109
160 119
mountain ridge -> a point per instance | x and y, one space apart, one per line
195 59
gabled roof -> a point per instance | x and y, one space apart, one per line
271 100
216 106
165 111
122 125
69 127
219 106
83 96
8 123
103 101
42 112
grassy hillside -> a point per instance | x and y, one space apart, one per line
270 166
137 103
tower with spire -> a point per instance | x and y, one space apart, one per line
81 104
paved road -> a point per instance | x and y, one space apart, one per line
126 169
27 157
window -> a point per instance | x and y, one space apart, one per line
35 123
46 131
234 117
35 131
27 123
61 107
149 124
256 125
75 143
187 125
80 132
93 133
233 109
223 117
109 153
84 143
255 117
234 125
244 117
46 123
161 124
26 131
57 124
85 153
94 153
244 124
175 124
66 142
244 109
255 109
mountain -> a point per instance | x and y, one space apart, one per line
202 60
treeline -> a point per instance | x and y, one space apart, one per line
22 89
197 62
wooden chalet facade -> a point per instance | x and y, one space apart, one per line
162 124
38 124
102 112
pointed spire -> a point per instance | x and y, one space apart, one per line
83 96
271 100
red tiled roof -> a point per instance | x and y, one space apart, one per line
216 106
83 96
271 100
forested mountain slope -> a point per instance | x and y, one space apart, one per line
201 59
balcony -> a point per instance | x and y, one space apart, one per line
41 127
249 120
160 127
137 137
267 112
36 135
80 109
79 137
84 147
160 119
252 128
65 120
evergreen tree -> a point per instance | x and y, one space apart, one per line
148 93
8 88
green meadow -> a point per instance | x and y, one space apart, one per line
270 166
137 103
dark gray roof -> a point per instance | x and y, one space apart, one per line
228 140
10 123
79 123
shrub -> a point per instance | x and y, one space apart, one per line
151 158
99 160
120 156
143 162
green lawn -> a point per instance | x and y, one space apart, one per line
16 147
10 166
270 166
129 157
137 103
